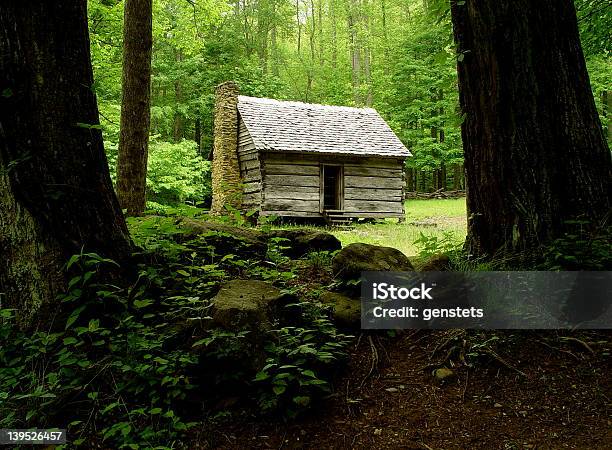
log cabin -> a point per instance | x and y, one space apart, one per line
293 159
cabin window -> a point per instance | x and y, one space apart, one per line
332 187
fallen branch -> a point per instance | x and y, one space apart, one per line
579 341
436 194
504 362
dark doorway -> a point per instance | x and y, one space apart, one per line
332 187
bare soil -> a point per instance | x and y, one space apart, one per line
540 392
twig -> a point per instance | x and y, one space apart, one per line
579 341
557 349
467 377
504 362
445 342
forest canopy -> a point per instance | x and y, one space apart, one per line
394 55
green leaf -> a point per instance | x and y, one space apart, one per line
302 400
74 316
142 303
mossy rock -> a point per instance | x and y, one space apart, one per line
302 242
356 258
346 311
226 239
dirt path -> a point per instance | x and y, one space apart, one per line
561 401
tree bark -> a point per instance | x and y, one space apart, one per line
197 135
607 104
535 155
179 120
135 106
56 195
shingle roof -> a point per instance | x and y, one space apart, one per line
303 127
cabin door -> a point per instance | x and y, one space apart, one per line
332 188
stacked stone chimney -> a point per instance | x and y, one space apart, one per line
226 183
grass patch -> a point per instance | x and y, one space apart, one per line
448 215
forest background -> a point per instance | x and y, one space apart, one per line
396 56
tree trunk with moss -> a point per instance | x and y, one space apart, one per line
535 154
56 196
135 106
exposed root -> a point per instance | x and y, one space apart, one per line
374 361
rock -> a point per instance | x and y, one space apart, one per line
244 305
346 311
247 305
356 258
377 431
226 239
444 374
391 389
302 242
436 263
497 405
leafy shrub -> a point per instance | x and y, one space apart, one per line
107 371
299 362
583 247
430 245
176 173
319 260
117 368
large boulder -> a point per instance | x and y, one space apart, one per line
226 239
247 305
356 258
302 242
346 311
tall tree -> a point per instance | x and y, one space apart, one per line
56 196
135 105
535 155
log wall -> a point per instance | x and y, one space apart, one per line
291 185
250 169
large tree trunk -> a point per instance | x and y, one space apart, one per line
535 155
56 196
135 106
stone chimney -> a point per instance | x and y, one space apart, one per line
226 182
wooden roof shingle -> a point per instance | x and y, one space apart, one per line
286 126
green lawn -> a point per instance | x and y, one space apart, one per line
442 216
447 215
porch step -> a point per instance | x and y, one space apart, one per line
336 218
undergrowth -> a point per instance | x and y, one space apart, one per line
131 365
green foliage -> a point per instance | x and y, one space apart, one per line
397 56
107 371
122 362
176 173
319 260
430 245
583 247
299 362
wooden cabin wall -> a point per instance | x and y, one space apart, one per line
249 169
373 187
290 185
